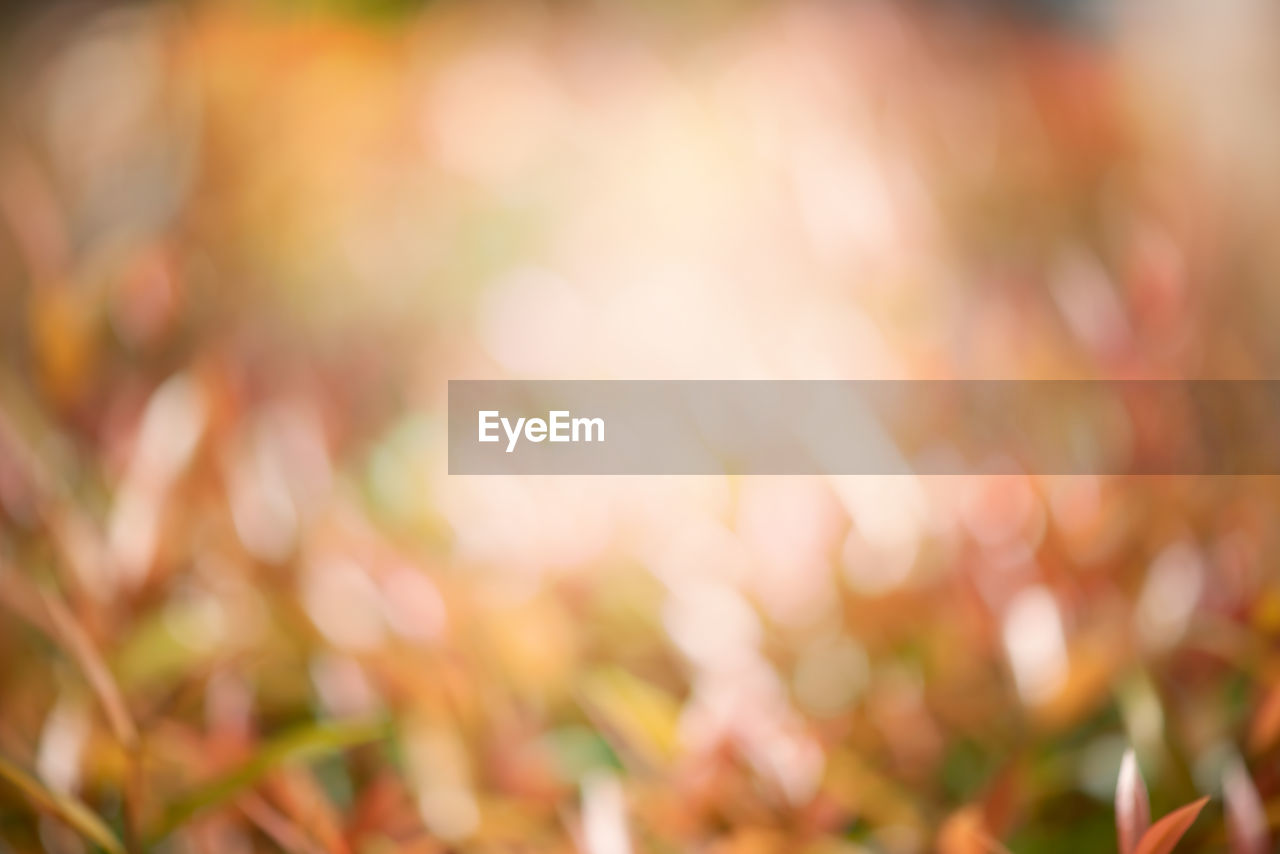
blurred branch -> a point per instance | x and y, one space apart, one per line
277 826
80 647
293 746
46 611
65 807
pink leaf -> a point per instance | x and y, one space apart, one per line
1246 817
1133 810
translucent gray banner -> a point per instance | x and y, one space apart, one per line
1204 427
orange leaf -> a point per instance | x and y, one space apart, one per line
1266 721
1166 832
965 832
962 832
1001 800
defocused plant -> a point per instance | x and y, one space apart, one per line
1133 815
243 246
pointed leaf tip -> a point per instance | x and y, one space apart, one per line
1165 833
1133 809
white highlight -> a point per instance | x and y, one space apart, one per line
1035 644
604 816
1169 596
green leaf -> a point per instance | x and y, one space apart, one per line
578 750
294 746
65 807
640 716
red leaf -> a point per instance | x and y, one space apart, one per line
1165 833
1133 809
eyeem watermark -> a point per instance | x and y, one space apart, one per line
926 427
558 426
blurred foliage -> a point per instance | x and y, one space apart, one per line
244 246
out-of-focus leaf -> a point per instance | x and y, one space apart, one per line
294 746
1133 807
80 647
153 656
62 332
384 808
964 832
1001 800
287 834
302 800
1088 681
861 789
641 715
65 807
1266 721
1165 833
1246 817
578 750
